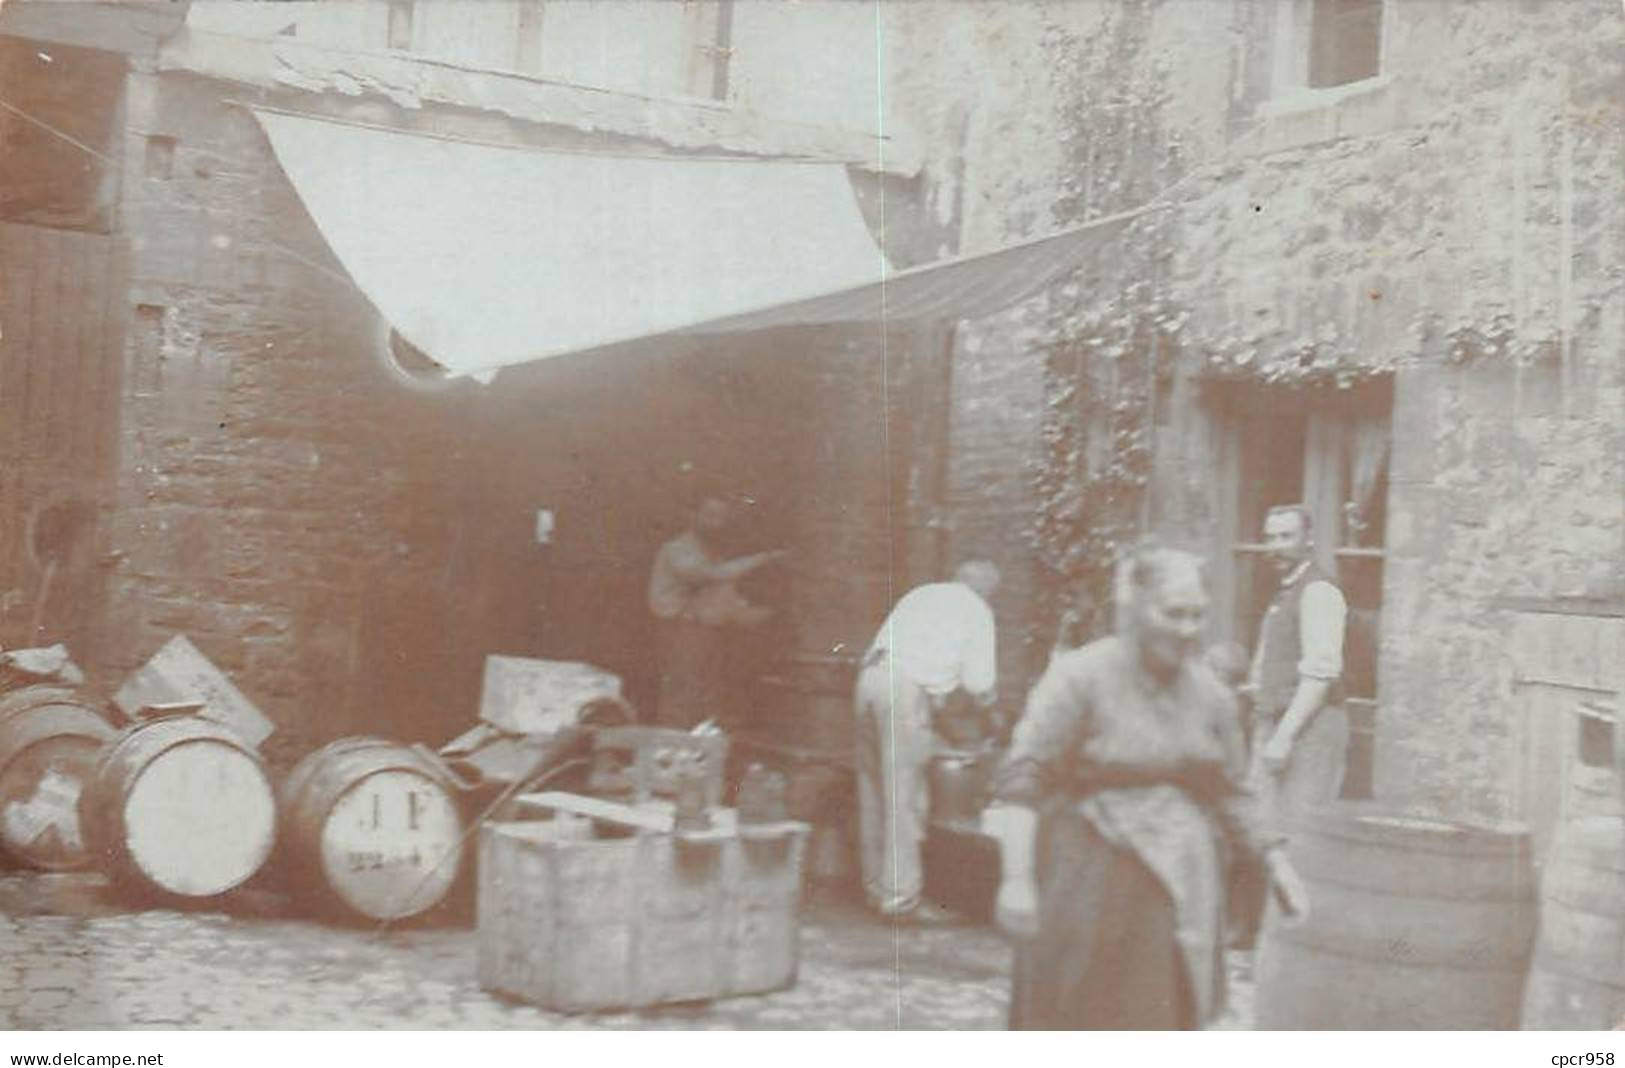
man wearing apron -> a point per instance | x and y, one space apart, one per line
938 645
1300 730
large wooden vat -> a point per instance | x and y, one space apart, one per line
572 922
371 830
1414 924
179 807
50 741
1577 979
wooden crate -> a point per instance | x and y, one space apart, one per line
577 923
179 674
645 762
524 696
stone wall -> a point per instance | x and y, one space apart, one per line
351 543
1457 223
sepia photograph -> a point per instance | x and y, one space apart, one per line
811 515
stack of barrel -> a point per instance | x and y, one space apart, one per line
176 807
181 808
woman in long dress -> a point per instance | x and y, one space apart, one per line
1124 778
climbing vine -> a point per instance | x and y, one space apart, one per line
1326 312
1113 338
1095 468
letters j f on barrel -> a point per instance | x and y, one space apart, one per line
372 830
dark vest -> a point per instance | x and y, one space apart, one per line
1278 667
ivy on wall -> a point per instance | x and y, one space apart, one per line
1175 290
1111 336
1094 471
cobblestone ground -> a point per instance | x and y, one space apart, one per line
71 957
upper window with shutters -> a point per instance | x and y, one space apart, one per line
1329 70
1326 48
1345 42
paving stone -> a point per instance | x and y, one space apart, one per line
167 969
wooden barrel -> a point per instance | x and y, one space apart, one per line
1577 979
373 830
49 744
179 807
1414 925
26 697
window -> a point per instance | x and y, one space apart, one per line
1596 736
528 36
400 25
714 37
1324 49
1330 453
654 47
651 47
1345 42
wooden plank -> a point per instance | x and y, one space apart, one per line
112 322
13 336
657 816
1577 606
1224 434
23 452
78 399
55 335
55 600
85 408
94 366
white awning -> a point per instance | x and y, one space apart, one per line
485 256
967 287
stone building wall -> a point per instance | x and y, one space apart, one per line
350 543
1457 224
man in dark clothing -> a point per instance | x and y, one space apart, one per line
696 605
1300 731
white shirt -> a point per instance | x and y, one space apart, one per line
1322 617
942 638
